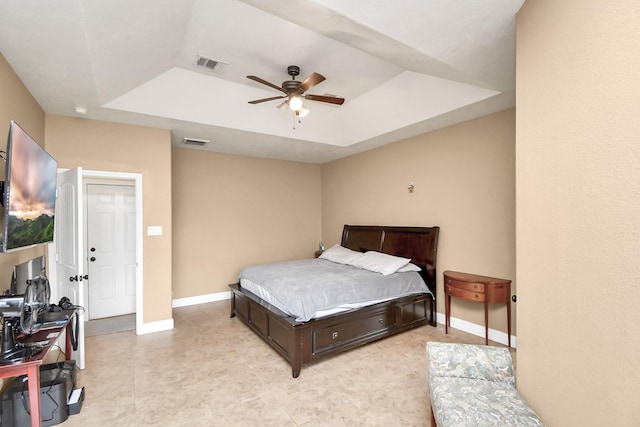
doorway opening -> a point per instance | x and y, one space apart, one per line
112 210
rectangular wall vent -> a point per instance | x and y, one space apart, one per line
209 64
194 141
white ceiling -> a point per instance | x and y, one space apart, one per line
404 67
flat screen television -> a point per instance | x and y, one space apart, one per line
28 193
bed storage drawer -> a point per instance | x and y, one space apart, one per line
362 329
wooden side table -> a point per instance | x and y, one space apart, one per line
31 367
472 287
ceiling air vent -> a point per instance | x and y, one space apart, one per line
195 142
209 64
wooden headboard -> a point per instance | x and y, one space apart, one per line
420 244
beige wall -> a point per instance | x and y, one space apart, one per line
16 103
232 211
464 182
97 145
578 210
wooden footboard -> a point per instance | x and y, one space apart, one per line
301 343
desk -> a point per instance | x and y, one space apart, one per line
472 287
31 367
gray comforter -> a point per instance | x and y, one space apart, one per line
303 287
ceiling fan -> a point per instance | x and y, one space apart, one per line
294 91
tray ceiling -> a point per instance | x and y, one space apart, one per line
404 67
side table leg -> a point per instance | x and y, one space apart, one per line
509 322
68 345
33 378
486 321
447 313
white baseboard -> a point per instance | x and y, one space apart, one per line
149 328
166 325
478 330
201 299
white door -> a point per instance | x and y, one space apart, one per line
69 252
111 243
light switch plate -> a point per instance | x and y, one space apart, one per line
154 230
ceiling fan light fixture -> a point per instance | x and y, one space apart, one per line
283 107
303 111
295 102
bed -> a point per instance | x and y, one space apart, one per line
303 342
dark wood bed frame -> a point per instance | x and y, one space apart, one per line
302 342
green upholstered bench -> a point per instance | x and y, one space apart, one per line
474 385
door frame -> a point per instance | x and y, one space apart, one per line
136 178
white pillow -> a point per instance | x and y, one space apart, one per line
380 263
340 255
408 267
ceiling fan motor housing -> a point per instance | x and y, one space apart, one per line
291 85
293 70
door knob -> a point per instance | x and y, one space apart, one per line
92 259
92 249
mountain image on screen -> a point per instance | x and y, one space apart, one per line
25 232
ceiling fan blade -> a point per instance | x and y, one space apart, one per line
258 101
330 99
264 82
311 81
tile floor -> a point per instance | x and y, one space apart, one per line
211 370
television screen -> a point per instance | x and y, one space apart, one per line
29 192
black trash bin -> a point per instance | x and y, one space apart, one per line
57 381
